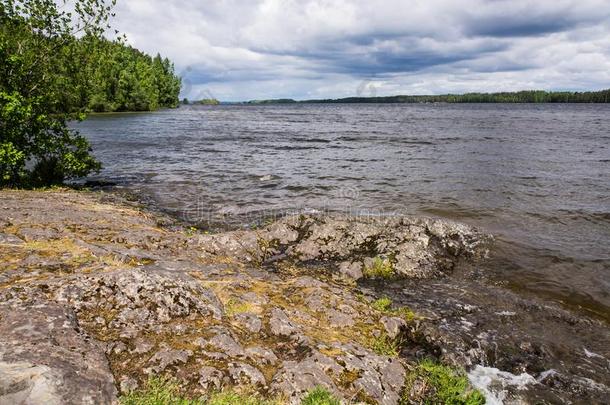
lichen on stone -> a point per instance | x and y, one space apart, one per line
268 308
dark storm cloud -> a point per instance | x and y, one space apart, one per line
534 22
502 28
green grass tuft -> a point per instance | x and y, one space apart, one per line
320 396
443 385
161 391
383 345
381 268
233 398
158 391
384 305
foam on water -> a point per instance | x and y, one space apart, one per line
493 383
592 355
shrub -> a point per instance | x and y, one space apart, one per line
12 162
56 64
36 91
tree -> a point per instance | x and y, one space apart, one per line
37 89
121 78
55 65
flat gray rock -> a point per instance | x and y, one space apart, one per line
245 374
8 239
280 324
249 321
393 325
168 357
296 378
226 344
46 359
210 378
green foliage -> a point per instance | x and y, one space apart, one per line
384 304
233 398
208 101
56 65
11 162
121 78
320 396
444 385
383 345
381 268
158 391
35 87
161 391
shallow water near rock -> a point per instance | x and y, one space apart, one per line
535 176
518 350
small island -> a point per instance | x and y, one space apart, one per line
207 101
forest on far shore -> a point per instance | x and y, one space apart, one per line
529 96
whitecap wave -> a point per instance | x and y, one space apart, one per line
494 383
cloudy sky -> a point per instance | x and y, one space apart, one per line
257 49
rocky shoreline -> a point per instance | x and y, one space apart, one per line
98 295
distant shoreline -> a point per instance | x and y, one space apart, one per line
519 97
104 113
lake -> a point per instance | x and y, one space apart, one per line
535 176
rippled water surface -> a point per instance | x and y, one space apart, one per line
536 176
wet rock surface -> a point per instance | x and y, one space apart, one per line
531 352
97 295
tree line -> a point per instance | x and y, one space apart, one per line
531 96
56 65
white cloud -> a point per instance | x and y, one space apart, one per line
246 49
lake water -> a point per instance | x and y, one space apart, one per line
535 176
